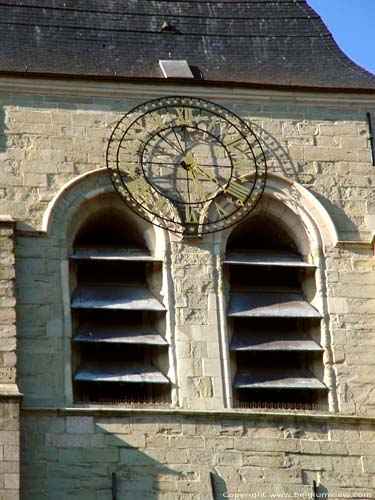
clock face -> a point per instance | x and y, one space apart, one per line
186 164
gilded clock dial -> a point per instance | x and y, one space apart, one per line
186 164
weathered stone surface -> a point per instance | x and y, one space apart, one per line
48 141
174 462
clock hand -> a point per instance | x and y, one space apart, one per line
168 142
184 129
187 183
208 176
178 141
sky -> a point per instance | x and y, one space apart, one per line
352 24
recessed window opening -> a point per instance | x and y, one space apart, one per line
274 331
119 350
108 229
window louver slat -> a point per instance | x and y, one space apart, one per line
269 379
111 254
118 372
267 258
263 304
118 334
267 342
115 297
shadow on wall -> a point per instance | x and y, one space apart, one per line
148 477
281 163
3 128
154 457
277 155
344 223
138 473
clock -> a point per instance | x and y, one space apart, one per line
186 164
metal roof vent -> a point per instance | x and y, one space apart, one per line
169 28
172 68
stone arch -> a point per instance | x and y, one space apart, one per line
75 206
91 192
299 211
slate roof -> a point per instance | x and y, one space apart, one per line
255 42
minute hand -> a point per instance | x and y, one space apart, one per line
208 176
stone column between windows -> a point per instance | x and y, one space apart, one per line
9 394
197 332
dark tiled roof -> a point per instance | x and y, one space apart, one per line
258 42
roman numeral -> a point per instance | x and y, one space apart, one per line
185 116
238 191
220 210
191 214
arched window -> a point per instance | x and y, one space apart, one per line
274 330
119 350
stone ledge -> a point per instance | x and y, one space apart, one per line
7 220
225 413
79 87
10 391
357 243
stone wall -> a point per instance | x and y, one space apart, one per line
9 394
170 456
47 142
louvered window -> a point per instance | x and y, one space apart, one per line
119 352
274 330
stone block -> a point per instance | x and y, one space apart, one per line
11 481
12 495
218 443
310 447
282 476
134 440
347 464
232 429
314 153
89 455
11 453
75 440
35 180
368 465
9 438
9 467
334 448
168 428
186 442
175 457
211 367
339 129
133 457
30 116
157 441
311 462
80 425
228 458
202 387
54 328
263 460
7 315
337 305
113 426
249 444
8 344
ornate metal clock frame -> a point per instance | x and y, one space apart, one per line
187 165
